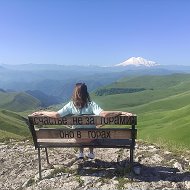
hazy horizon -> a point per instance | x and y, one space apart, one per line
97 32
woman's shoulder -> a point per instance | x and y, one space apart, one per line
69 104
92 103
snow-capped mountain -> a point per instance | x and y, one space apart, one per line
137 61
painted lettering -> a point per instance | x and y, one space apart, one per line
99 134
77 120
106 121
35 120
78 134
46 122
93 134
67 134
116 120
108 135
122 120
103 134
87 120
92 121
64 119
51 121
61 134
40 120
59 121
84 120
74 120
111 119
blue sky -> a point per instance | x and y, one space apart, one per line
98 32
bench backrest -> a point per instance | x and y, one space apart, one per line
85 137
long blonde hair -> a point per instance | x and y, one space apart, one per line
80 95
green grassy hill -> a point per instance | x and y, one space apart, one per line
12 125
156 87
166 120
163 108
15 101
13 122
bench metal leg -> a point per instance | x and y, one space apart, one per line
47 158
131 155
132 147
39 161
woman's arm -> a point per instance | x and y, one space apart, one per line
114 113
46 113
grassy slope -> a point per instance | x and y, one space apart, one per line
163 113
6 97
163 110
18 101
165 119
12 125
158 87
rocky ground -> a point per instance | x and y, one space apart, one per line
155 168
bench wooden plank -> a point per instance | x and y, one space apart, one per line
84 120
107 133
98 143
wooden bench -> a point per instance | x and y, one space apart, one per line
44 137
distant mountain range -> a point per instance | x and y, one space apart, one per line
52 84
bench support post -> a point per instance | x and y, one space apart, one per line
47 158
39 161
132 144
131 155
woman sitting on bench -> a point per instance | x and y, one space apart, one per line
81 104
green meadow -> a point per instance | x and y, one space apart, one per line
13 125
18 101
162 108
